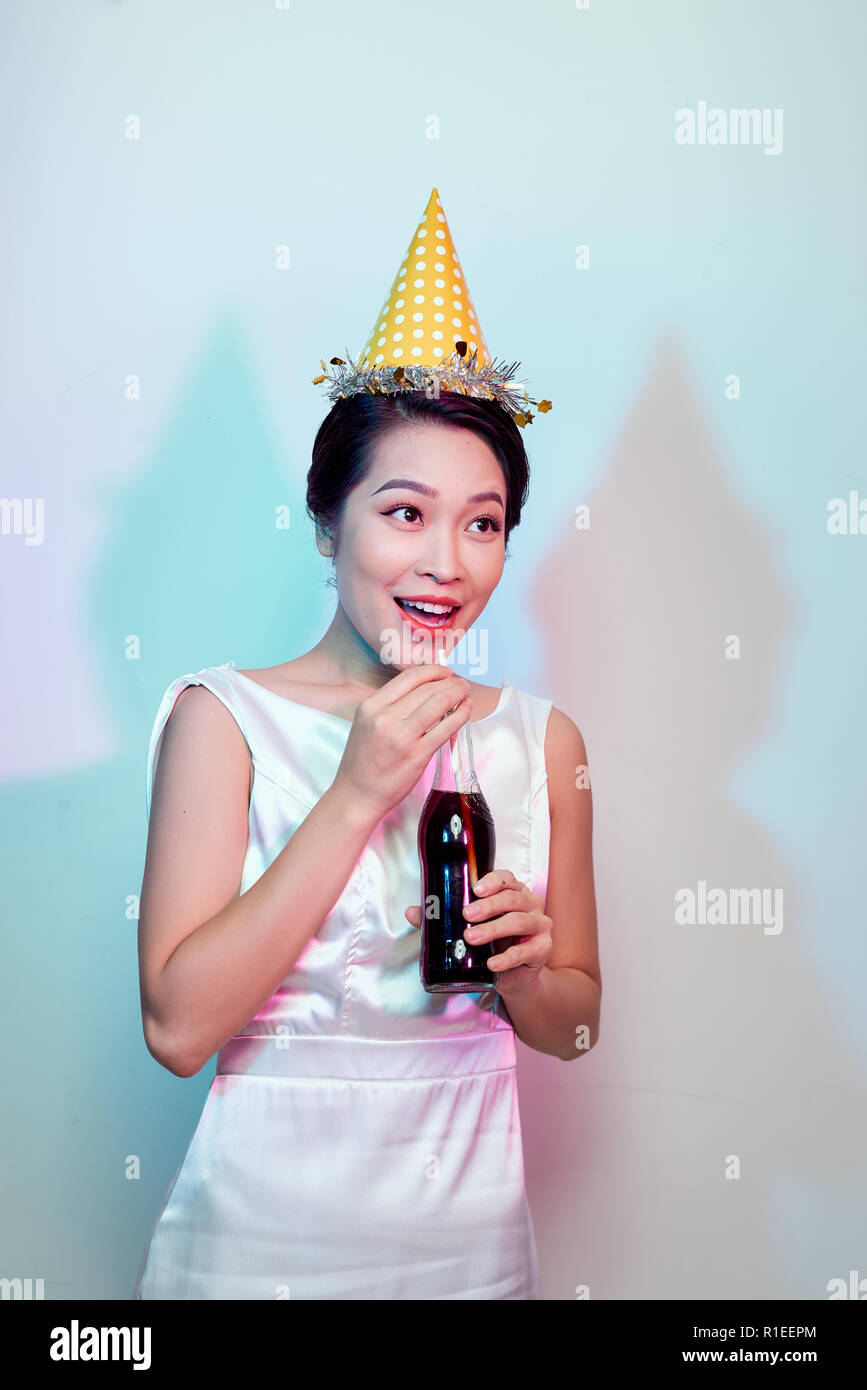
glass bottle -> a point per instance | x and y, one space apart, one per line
456 846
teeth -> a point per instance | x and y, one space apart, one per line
427 607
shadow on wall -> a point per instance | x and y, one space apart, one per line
716 1040
194 567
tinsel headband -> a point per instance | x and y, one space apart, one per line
427 335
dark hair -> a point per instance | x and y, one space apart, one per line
347 438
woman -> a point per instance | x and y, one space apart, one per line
361 1138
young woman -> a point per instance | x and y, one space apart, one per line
361 1138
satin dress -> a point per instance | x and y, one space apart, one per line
361 1138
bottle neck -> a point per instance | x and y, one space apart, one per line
455 771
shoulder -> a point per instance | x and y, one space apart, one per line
201 711
485 698
205 705
298 669
293 680
284 671
562 735
197 739
565 755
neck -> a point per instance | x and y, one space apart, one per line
346 659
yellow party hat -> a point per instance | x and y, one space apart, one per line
427 335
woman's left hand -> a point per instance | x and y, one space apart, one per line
508 908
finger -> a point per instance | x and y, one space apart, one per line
496 878
520 954
516 925
413 916
425 703
407 681
434 705
494 905
446 725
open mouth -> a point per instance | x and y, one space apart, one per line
422 617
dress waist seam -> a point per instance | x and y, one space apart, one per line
321 1056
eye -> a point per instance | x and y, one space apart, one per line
493 525
401 507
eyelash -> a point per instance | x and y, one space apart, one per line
410 506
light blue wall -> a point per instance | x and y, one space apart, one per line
154 257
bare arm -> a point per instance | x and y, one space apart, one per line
201 984
211 957
561 1016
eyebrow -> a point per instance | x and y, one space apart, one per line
426 491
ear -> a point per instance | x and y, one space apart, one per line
324 542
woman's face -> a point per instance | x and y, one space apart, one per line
427 523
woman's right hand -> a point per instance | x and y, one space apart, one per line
395 733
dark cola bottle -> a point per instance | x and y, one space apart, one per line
456 846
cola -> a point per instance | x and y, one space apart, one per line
456 846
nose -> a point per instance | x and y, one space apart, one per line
441 559
441 574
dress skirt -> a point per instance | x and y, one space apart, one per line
334 1167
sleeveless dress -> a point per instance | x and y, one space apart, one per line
361 1138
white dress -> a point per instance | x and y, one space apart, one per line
361 1138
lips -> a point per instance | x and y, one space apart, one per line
429 622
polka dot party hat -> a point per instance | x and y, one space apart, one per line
426 337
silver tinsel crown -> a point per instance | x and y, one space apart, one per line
460 373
